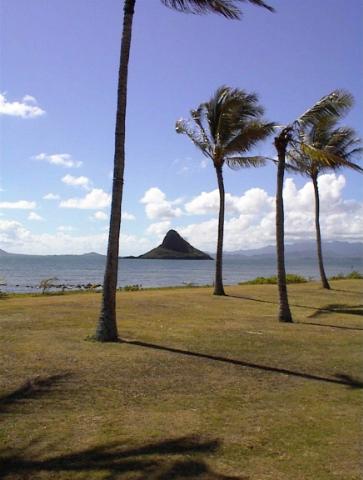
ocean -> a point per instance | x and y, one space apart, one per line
24 273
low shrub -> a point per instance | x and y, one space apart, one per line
354 275
290 278
46 284
132 288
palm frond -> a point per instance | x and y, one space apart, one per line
227 126
198 116
226 8
328 159
227 112
333 105
259 3
248 135
296 168
245 162
182 126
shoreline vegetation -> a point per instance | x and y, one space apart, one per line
49 288
198 386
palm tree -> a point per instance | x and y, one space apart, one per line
330 106
107 328
225 129
322 147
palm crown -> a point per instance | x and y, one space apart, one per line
227 127
227 8
324 146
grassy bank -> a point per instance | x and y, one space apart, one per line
202 387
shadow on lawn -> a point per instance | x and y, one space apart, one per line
333 308
153 461
341 378
339 308
31 390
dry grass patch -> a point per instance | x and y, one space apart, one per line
202 387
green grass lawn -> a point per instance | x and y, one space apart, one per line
203 387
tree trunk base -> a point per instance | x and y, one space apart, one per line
285 318
221 293
106 339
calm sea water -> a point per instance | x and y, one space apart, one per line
23 274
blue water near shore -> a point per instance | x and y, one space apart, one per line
24 273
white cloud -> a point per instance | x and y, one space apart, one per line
158 229
14 237
127 216
99 215
183 170
251 223
20 204
252 220
203 163
65 228
76 181
62 159
51 196
253 201
158 207
27 107
35 216
95 199
103 216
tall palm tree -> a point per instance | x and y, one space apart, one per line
107 328
330 106
322 147
225 129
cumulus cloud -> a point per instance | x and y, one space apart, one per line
27 107
51 196
99 215
102 216
61 159
20 204
65 228
158 229
76 181
251 223
35 216
95 199
204 163
157 207
14 237
255 200
128 216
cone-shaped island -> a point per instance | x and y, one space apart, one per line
174 247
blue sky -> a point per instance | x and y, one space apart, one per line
59 65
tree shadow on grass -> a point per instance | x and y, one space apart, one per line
332 308
32 389
339 308
341 327
341 378
168 459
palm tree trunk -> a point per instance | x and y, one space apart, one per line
324 280
218 283
284 310
107 328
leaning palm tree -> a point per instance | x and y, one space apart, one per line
323 147
330 106
107 328
225 129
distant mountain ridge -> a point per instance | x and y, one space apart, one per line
308 248
301 249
